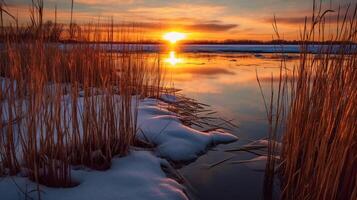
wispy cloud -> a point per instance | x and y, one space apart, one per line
299 20
104 2
180 10
203 19
212 27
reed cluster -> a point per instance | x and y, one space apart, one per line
68 104
319 141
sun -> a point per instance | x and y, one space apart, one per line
173 37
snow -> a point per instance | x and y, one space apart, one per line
173 140
136 176
169 98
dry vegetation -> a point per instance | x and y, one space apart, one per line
68 104
318 114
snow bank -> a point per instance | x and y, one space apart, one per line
169 98
136 176
157 125
174 140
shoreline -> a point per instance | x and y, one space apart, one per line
189 145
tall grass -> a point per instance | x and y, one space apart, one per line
319 149
71 104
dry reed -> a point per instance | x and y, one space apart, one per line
71 104
319 149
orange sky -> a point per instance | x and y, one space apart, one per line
200 19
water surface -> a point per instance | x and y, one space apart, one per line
227 82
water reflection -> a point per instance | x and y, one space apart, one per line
201 72
172 59
227 82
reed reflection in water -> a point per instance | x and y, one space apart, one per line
227 82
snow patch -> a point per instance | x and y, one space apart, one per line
169 98
136 176
174 140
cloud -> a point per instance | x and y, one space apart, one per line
206 27
104 2
180 10
330 17
203 26
110 2
211 27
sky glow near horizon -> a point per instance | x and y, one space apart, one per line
200 19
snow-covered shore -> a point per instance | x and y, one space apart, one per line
138 175
173 140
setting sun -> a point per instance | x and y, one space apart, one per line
173 37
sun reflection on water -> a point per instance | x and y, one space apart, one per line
172 59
